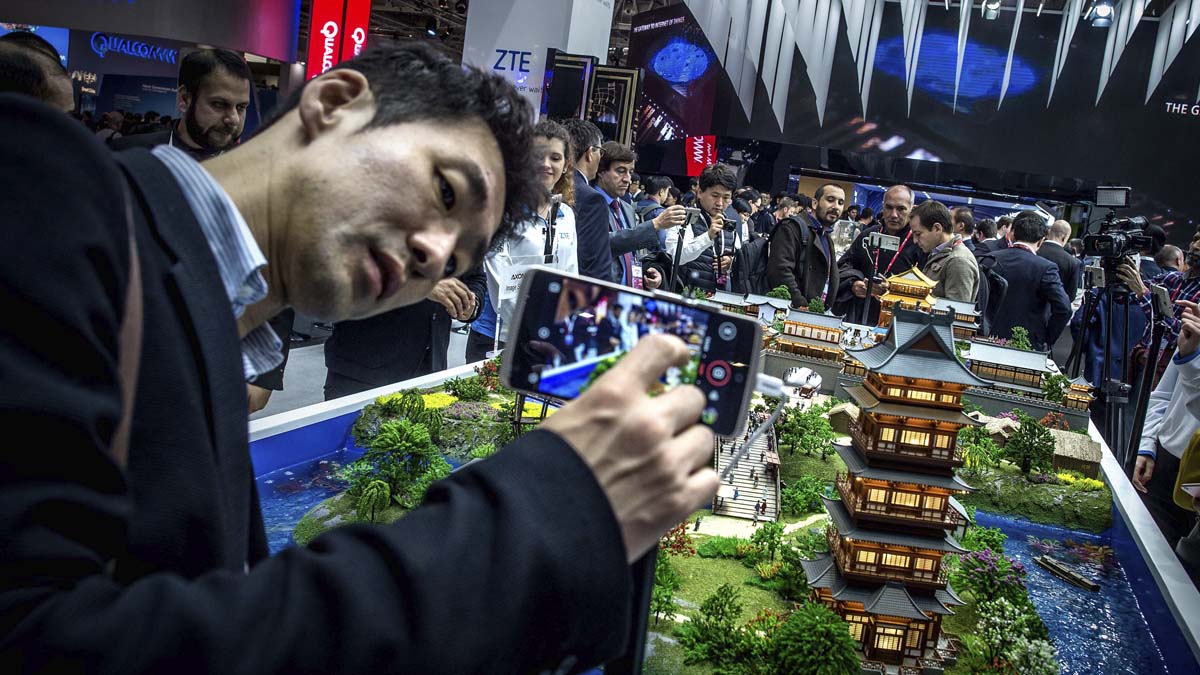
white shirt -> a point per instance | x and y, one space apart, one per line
1174 407
693 244
528 243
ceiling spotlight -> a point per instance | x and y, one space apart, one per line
991 9
461 6
629 8
431 27
443 4
1102 14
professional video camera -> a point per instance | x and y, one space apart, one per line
1119 239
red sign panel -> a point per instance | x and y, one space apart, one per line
701 152
324 36
355 28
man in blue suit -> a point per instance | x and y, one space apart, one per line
591 209
1036 299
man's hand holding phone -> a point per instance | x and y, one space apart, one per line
715 227
651 456
673 216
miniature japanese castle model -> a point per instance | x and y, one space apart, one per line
892 526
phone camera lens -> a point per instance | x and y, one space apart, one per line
727 331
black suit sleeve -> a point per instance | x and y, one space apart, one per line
591 227
1052 292
511 564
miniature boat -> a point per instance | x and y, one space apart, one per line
1060 570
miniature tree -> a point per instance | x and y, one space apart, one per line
404 456
978 449
1054 386
816 306
677 542
769 537
814 641
483 450
809 431
1031 446
713 634
666 583
803 495
467 389
780 292
374 499
1020 339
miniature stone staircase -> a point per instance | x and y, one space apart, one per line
749 493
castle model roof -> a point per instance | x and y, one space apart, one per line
918 345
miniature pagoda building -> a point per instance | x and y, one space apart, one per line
767 309
909 290
817 336
966 317
1078 394
896 515
1015 370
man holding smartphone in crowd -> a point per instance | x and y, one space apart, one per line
802 255
137 544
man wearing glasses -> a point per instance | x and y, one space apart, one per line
591 209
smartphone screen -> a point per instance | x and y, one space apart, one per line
569 330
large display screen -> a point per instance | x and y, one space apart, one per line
1128 136
681 75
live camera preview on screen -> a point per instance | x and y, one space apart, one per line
576 330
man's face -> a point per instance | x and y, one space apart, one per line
1003 231
897 202
635 187
715 199
615 179
928 239
829 207
216 115
372 217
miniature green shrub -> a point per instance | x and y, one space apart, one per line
978 449
780 292
816 306
1020 339
374 499
808 431
769 537
803 495
978 538
1054 386
1032 657
713 634
720 547
467 389
989 575
403 455
815 641
1031 446
483 450
1008 628
666 584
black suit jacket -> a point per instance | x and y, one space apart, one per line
1035 300
1068 266
804 270
990 246
591 231
161 566
398 345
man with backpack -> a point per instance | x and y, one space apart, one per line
861 263
801 256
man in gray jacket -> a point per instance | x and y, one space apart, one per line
950 263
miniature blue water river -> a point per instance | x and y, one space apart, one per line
1105 632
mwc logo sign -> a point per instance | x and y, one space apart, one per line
338 31
701 152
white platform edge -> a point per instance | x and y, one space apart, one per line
1177 589
319 412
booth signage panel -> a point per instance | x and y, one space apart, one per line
356 27
324 36
701 152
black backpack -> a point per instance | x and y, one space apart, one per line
992 289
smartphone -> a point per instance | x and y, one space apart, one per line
1192 489
565 327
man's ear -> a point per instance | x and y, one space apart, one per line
183 99
338 97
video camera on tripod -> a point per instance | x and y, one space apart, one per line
1119 239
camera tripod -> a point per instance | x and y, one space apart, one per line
1123 439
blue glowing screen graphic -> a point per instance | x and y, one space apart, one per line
680 61
982 72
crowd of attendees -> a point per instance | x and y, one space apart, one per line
595 216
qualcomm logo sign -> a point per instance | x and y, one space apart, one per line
359 36
330 31
103 43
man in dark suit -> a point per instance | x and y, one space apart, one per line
214 94
591 209
1053 249
401 344
629 237
1002 241
1036 299
858 263
964 226
801 256
98 535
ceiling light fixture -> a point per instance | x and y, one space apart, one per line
431 27
991 9
1102 14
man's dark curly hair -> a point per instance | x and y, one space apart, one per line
413 82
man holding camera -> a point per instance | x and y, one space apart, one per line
132 541
861 263
801 257
628 239
712 232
